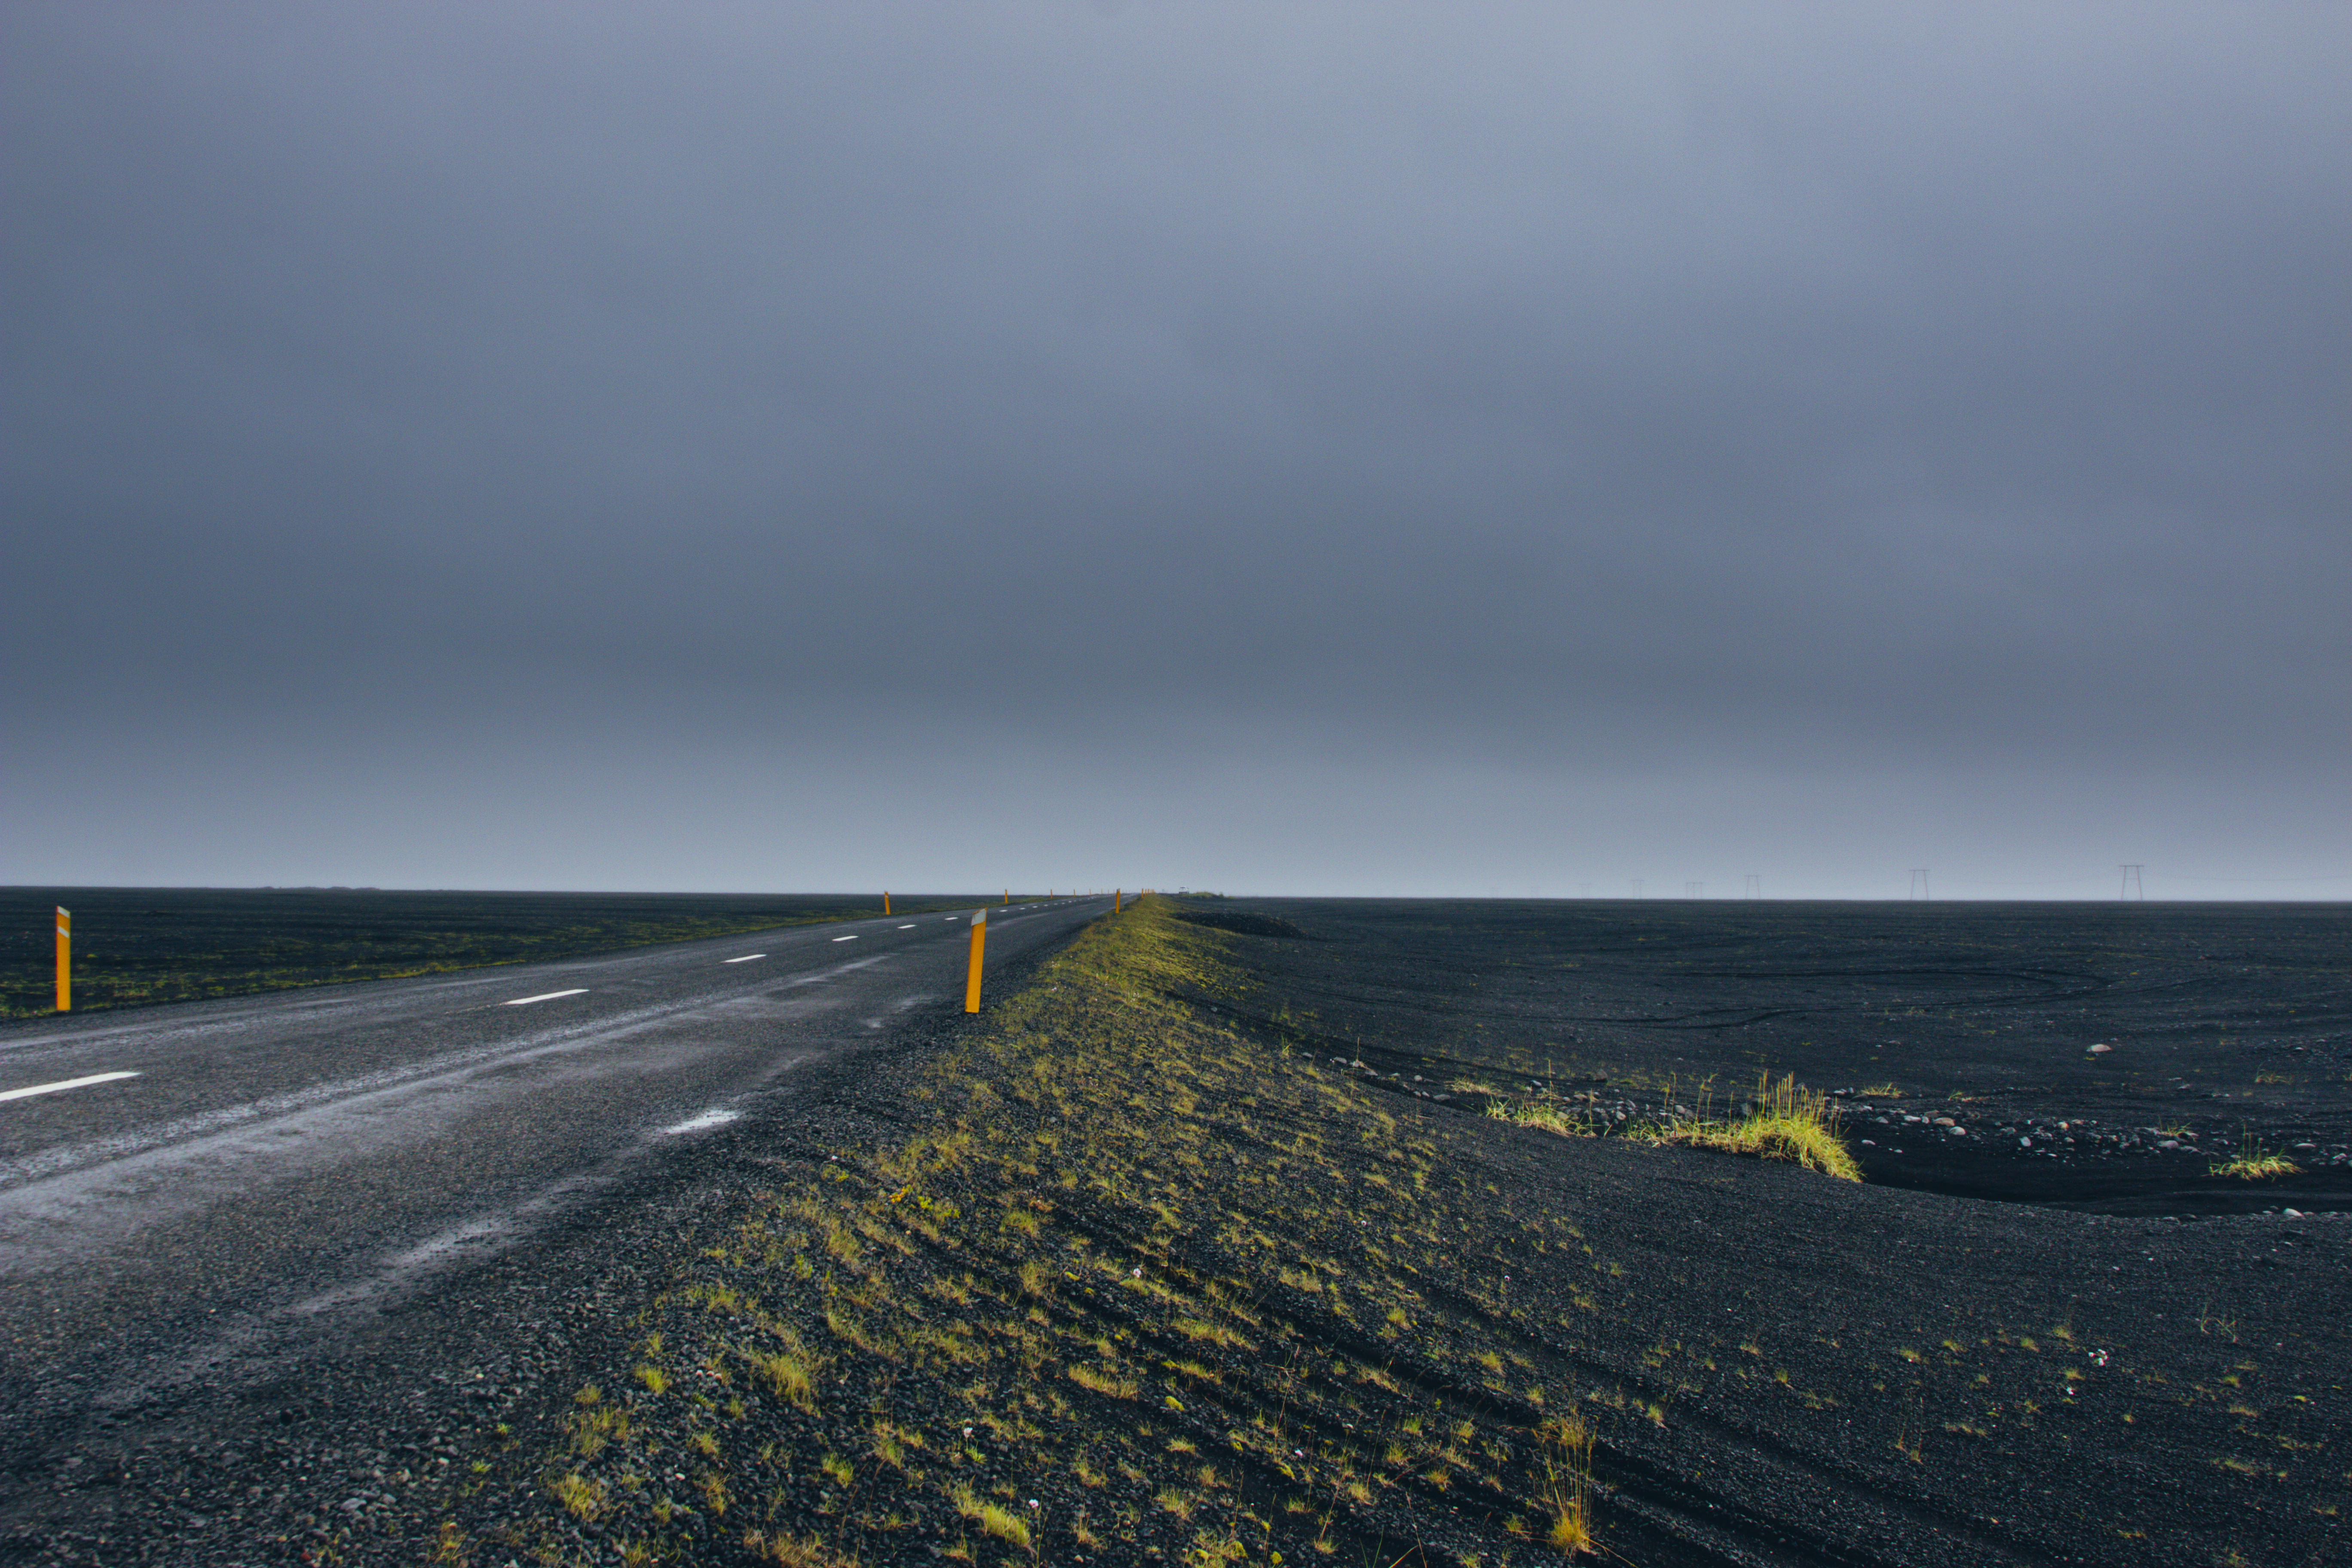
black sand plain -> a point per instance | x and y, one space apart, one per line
2096 1057
1167 1259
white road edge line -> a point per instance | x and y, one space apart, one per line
547 996
747 958
65 1083
851 937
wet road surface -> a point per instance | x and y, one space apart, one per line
203 1194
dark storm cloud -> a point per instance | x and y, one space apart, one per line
1499 392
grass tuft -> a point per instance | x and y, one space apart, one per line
583 1499
789 1552
1103 1382
786 1375
2252 1163
1536 1114
1787 1121
1568 1484
1006 1527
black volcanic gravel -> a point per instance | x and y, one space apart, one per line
2092 1057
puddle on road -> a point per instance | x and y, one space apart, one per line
715 1117
467 1241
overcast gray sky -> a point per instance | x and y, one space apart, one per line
1342 447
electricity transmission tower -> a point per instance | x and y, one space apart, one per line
1637 886
1754 889
1693 889
2132 888
1918 883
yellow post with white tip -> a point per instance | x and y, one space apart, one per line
65 959
978 941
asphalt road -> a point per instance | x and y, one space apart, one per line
280 1166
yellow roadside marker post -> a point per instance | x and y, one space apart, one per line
886 903
1116 896
65 959
1008 898
979 939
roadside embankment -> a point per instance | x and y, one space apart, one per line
1121 1283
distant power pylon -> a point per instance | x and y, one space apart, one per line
1918 883
1637 886
1754 889
1693 890
2132 890
1584 890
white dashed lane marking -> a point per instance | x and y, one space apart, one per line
547 996
851 937
747 958
64 1083
906 928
